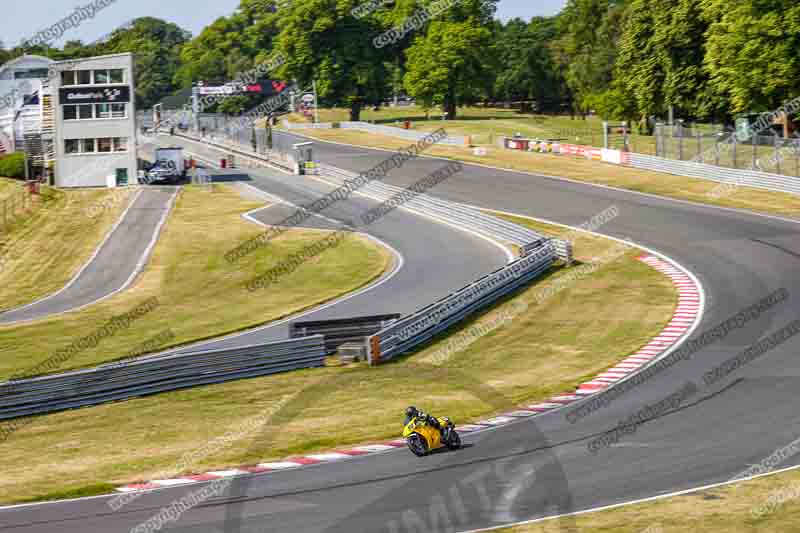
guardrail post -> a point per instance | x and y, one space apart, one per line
796 150
373 350
700 146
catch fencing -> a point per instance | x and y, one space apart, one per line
141 377
245 154
419 328
691 169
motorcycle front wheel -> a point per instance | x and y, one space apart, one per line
453 440
417 445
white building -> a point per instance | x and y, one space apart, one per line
95 122
20 82
78 123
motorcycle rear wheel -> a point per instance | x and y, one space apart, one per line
453 440
417 445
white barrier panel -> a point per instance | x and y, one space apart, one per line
611 156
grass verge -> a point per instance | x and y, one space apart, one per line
548 347
45 245
633 179
200 294
762 505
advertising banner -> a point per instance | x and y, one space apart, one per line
95 95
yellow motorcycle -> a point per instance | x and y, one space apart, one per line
422 438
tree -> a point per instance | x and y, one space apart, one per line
5 55
446 67
156 45
323 42
589 32
751 54
230 45
527 69
660 62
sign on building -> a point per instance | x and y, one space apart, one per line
94 95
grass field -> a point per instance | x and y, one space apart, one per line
765 505
201 295
9 186
548 348
577 168
45 244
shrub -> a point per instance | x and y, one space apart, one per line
13 165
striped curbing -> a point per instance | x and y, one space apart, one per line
684 317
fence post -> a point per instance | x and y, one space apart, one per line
754 140
735 164
778 154
796 151
700 153
657 135
716 150
605 134
680 140
625 144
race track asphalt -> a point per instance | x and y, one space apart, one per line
541 466
117 261
436 259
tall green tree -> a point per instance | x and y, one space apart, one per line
447 66
660 62
156 45
589 33
752 51
447 62
526 68
5 55
323 42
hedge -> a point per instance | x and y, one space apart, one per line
13 165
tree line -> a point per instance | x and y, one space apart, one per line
708 60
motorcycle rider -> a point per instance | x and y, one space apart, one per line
412 413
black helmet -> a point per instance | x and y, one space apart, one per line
411 411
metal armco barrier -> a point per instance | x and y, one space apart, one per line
340 331
749 178
563 250
423 325
455 214
452 213
279 159
392 131
130 379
